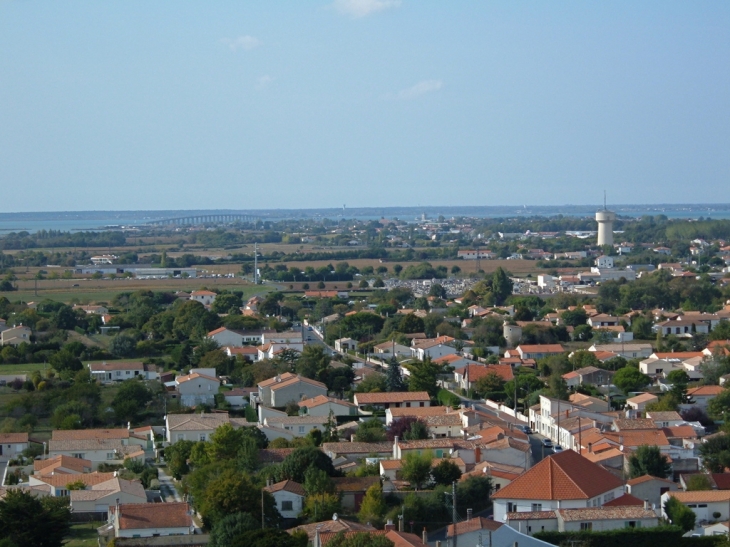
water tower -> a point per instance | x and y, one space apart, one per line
605 220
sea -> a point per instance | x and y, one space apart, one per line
73 221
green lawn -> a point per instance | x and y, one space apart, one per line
84 535
27 368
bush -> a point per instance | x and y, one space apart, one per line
661 536
446 398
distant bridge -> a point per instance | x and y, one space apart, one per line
206 219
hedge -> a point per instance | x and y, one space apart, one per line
663 536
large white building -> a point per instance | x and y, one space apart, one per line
605 220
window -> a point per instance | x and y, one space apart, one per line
497 487
536 507
202 436
408 405
110 455
511 508
632 524
287 506
608 497
586 526
421 403
301 429
119 373
127 373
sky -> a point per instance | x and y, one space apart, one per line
139 105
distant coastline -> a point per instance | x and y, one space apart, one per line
100 220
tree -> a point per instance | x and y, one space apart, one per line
630 379
317 481
720 404
25 520
699 481
648 460
423 376
231 526
370 431
501 286
679 514
446 472
268 537
715 453
408 428
319 507
225 303
416 468
378 283
64 360
131 398
490 383
296 464
393 377
373 507
313 360
225 443
177 455
122 345
574 318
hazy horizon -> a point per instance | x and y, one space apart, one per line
371 103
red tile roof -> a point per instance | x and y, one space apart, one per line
288 486
563 476
392 397
622 501
136 516
472 525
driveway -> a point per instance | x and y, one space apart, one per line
167 487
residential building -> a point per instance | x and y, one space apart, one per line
59 483
65 465
588 375
392 399
535 351
118 371
203 296
196 389
297 426
595 519
467 376
288 387
289 497
345 452
224 336
627 351
148 520
15 336
432 348
704 503
386 350
238 397
12 445
352 490
640 401
650 488
198 427
343 345
681 327
322 406
702 395
565 480
100 497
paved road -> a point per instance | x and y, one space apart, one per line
167 487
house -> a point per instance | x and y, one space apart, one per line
95 310
395 399
147 520
100 497
681 327
650 488
704 503
288 387
12 445
665 418
587 375
342 452
197 427
203 296
535 351
65 465
352 490
627 351
322 406
238 397
297 426
603 320
15 336
343 345
98 451
639 402
565 480
432 348
59 484
386 350
249 353
197 389
702 395
118 371
471 530
234 338
316 531
289 497
467 377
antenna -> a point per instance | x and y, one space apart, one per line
604 201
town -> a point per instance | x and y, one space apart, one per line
435 382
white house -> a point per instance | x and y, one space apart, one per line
100 497
298 426
204 297
702 395
289 497
565 480
122 370
344 345
146 520
287 387
704 503
15 336
322 406
197 427
195 389
432 347
12 445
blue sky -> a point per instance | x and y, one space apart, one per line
216 104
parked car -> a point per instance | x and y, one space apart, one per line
547 443
557 448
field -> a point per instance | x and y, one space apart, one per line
104 290
84 535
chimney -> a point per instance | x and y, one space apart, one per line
424 536
590 448
389 526
468 514
646 505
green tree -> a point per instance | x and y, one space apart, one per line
416 468
317 481
229 527
378 283
318 507
64 360
446 472
267 537
225 443
177 456
630 379
715 453
574 318
130 400
373 507
26 521
699 481
296 464
226 303
720 404
370 431
679 514
501 286
648 460
424 375
393 377
314 359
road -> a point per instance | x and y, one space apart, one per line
167 487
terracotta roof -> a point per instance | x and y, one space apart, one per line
135 516
531 515
68 462
622 501
633 424
339 525
637 437
706 391
88 434
203 293
288 486
664 416
403 539
326 537
357 448
646 478
541 348
89 479
196 422
680 432
10 438
563 476
643 398
274 455
392 397
700 496
294 380
476 372
678 354
278 378
606 513
402 411
322 400
195 376
472 525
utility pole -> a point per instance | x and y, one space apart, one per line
255 263
453 508
262 509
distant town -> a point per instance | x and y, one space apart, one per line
223 379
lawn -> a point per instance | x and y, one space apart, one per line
27 368
84 535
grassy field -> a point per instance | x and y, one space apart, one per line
84 535
27 368
104 290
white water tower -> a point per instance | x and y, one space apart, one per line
605 220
